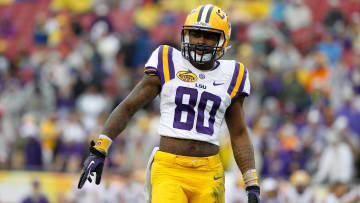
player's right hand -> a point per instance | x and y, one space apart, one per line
253 193
93 163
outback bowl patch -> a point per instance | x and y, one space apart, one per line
186 76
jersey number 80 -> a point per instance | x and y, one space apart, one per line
189 108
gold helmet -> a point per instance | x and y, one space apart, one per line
207 18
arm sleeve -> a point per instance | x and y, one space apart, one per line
246 89
240 83
152 63
161 64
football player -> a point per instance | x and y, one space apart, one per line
198 91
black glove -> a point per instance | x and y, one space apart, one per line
93 163
253 193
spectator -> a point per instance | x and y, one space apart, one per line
35 196
301 192
90 193
337 192
4 66
40 97
356 77
72 143
337 156
40 36
351 110
275 161
33 151
285 58
7 28
341 127
90 105
49 132
331 48
101 23
352 196
271 191
78 6
318 78
278 10
315 130
12 99
110 190
294 96
133 187
4 147
234 188
52 28
297 15
334 16
272 84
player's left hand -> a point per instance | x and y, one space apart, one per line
253 193
93 163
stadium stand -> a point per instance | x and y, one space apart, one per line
64 66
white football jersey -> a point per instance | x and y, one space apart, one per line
193 102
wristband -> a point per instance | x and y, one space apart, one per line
103 143
250 178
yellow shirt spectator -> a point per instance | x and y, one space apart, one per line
78 6
49 132
187 5
6 2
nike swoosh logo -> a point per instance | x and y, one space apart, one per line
216 178
92 162
216 84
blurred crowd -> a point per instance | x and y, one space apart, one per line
66 67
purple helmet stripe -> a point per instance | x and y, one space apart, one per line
200 13
208 14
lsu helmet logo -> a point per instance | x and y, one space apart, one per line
186 76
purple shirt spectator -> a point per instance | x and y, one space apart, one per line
6 27
35 196
33 154
41 199
353 116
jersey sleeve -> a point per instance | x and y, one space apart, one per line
161 64
240 83
152 63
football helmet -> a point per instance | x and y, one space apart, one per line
208 18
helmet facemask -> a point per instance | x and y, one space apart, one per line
210 53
